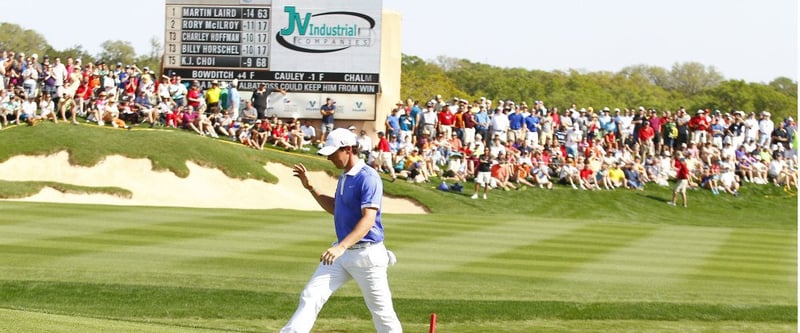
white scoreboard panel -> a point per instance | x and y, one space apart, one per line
308 49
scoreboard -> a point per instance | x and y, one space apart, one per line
217 37
310 50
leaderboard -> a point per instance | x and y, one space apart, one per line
217 37
225 40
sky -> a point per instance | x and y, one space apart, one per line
751 40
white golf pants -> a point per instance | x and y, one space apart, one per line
368 267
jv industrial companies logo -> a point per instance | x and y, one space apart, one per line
325 32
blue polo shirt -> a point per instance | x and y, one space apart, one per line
361 187
515 120
531 123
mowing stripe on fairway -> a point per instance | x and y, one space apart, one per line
665 256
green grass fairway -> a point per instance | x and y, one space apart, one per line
522 261
80 268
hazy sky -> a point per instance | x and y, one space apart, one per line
754 40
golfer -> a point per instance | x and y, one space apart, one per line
359 253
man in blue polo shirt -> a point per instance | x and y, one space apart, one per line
359 252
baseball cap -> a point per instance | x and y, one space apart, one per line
337 138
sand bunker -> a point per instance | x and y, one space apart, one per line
203 188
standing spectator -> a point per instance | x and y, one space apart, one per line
427 121
484 175
751 128
406 122
458 121
500 124
178 91
59 73
445 120
328 110
515 124
681 181
699 127
259 101
234 99
392 121
646 135
482 122
194 95
212 96
532 122
765 128
717 129
781 136
385 159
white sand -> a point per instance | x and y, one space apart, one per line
204 187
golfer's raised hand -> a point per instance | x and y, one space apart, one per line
299 171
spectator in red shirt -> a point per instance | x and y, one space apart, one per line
194 95
446 121
682 181
646 135
699 126
385 158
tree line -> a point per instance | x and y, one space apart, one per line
692 85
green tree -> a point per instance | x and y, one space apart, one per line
74 52
692 77
16 38
153 59
117 51
785 85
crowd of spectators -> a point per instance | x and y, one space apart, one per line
124 96
508 146
499 144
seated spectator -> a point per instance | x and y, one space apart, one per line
603 178
249 113
501 178
522 171
728 180
709 180
569 174
309 132
541 175
633 178
222 123
47 108
66 106
189 120
111 115
126 113
777 171
27 113
143 108
295 134
588 178
617 176
10 109
280 136
417 168
204 124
